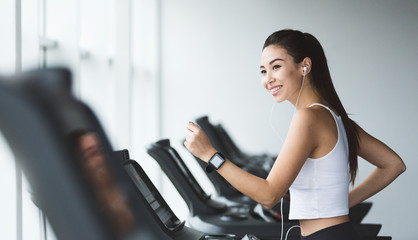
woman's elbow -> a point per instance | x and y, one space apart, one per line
265 204
270 203
398 166
269 196
401 167
268 206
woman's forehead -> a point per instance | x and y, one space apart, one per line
272 52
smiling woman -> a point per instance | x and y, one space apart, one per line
319 155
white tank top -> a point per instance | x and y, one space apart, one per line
321 188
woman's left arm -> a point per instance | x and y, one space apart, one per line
298 145
388 167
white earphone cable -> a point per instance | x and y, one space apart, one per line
300 90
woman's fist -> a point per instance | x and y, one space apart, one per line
197 142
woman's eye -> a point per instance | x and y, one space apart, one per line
276 67
263 71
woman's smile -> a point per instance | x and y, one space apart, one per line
274 90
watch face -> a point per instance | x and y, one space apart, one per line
217 161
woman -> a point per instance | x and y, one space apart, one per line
319 156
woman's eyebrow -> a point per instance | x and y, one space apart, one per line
272 61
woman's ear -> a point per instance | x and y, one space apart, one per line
306 66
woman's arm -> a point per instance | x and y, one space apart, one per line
298 145
388 167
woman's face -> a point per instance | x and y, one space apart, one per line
279 74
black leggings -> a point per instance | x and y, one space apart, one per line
343 231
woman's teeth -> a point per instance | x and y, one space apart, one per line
276 89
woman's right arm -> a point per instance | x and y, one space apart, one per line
388 167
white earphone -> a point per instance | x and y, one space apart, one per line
305 69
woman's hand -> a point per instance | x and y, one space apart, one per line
197 142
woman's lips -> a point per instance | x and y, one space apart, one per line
274 90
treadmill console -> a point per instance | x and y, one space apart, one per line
154 199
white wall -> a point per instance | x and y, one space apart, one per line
8 205
210 58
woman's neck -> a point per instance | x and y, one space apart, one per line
306 97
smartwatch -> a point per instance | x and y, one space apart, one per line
215 162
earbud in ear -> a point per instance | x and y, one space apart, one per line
305 69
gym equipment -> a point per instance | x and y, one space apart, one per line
171 224
37 111
46 127
208 214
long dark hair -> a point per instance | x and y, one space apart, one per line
300 45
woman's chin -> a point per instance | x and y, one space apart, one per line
278 99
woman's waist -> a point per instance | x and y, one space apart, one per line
309 226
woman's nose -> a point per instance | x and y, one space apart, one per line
269 78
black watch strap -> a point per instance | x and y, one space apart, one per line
209 168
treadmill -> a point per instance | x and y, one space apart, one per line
36 112
207 214
38 116
160 208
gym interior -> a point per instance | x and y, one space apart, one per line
133 73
